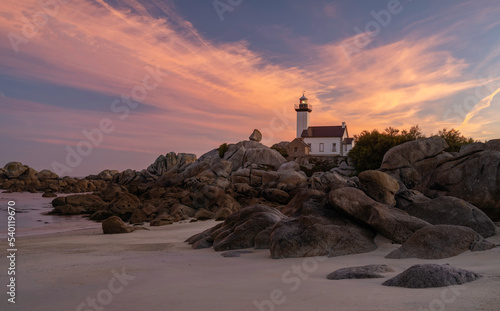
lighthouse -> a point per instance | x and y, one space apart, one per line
303 110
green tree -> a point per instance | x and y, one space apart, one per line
455 139
371 147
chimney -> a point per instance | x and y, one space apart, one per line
343 125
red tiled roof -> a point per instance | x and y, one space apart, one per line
324 131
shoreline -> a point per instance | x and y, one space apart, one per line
60 271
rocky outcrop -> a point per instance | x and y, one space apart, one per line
413 160
312 235
256 136
14 169
328 181
125 205
452 211
77 204
45 175
18 177
379 186
253 154
107 174
114 225
473 177
362 272
393 223
315 230
493 144
441 241
164 163
431 275
239 230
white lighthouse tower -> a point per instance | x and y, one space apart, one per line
303 110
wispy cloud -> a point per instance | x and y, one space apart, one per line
217 92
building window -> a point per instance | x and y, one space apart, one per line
310 147
321 147
345 147
295 149
334 147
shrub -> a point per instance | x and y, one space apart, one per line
223 149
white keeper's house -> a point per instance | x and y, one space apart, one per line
318 140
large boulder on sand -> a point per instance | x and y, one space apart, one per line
239 230
432 275
362 272
452 211
393 223
379 186
114 225
310 235
473 177
441 241
317 231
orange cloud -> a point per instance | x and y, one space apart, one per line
215 92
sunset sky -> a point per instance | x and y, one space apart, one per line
134 79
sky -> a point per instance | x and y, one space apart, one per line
88 85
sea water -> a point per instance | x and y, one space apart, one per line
32 216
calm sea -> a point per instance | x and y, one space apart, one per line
32 216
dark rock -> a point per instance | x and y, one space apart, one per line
222 214
453 211
362 272
327 181
68 210
239 230
393 223
203 214
441 241
114 225
138 217
473 177
107 174
405 197
379 186
263 239
312 235
301 196
431 275
14 169
125 205
317 231
101 215
276 195
49 195
44 175
235 253
256 135
291 165
112 191
411 161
